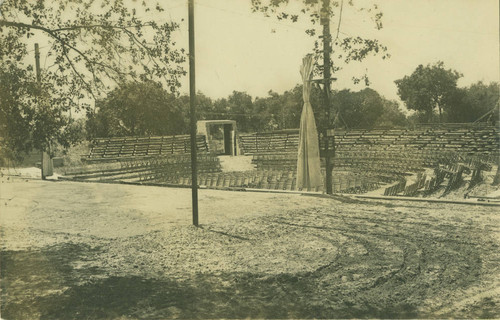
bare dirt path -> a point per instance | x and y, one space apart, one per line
103 251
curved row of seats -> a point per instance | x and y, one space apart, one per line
479 139
345 182
106 149
142 169
370 160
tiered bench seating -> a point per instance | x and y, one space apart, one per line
270 161
142 169
363 159
452 138
388 155
106 149
281 141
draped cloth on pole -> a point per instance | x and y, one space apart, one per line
308 162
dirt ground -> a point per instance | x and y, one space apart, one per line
109 251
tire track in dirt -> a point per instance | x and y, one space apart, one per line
428 250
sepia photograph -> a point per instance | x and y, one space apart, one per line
249 159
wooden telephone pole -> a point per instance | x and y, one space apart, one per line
46 162
325 21
192 108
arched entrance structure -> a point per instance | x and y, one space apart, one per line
220 136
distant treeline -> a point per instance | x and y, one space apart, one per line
146 109
137 109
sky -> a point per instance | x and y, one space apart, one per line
237 50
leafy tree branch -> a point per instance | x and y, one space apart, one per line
346 48
90 46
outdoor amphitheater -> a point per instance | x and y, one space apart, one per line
429 160
410 231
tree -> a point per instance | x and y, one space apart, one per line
93 42
240 106
367 109
391 116
428 88
483 98
470 103
16 116
137 109
269 110
280 111
90 47
358 109
346 48
32 115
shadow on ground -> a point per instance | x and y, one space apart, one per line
46 284
202 297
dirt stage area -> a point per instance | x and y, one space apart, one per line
110 251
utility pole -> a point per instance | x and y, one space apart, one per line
45 157
39 80
325 21
192 108
37 63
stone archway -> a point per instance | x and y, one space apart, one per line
226 129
